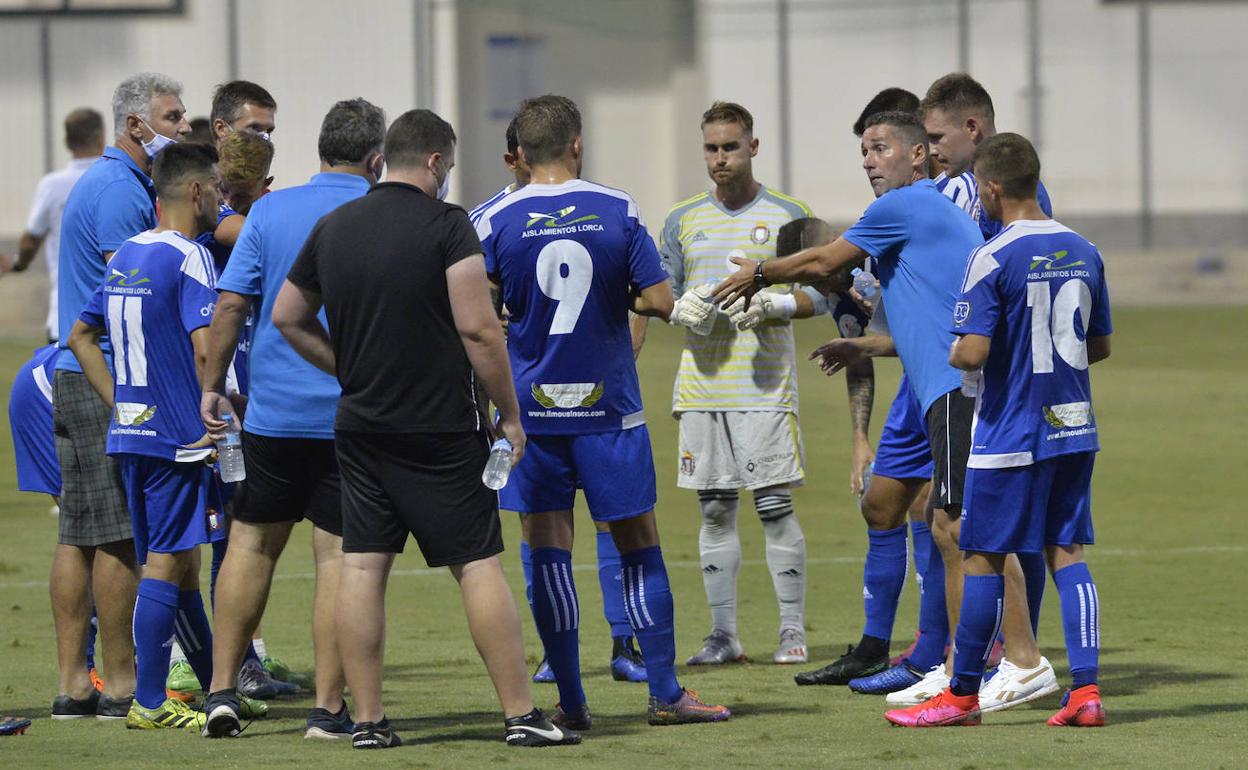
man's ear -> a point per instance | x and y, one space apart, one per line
753 147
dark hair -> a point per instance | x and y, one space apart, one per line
201 130
178 162
351 130
906 123
888 100
546 127
513 143
729 112
959 92
414 135
229 98
1011 161
800 234
84 129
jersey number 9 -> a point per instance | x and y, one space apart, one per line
565 271
1059 316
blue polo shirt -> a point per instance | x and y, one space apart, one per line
289 397
921 241
113 201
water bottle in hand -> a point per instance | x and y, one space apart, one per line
498 467
230 452
864 284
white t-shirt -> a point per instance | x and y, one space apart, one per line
45 220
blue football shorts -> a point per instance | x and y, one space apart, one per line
1024 509
615 470
173 506
904 451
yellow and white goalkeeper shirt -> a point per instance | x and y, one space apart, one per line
730 370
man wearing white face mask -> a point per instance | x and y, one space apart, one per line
113 201
288 429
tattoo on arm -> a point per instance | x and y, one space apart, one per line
860 382
496 298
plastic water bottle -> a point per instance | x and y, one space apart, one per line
866 475
864 284
230 453
498 467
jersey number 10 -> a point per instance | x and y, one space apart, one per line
565 271
1058 315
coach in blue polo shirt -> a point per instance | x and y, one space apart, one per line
288 429
113 201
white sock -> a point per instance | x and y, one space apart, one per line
176 655
258 643
786 553
720 550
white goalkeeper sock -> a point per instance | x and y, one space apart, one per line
786 553
720 551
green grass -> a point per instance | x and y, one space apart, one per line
1169 495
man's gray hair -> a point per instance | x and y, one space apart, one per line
134 96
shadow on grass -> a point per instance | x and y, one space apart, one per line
1129 716
1135 678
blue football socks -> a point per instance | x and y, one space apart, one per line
983 601
557 614
921 545
1034 573
929 650
194 634
883 577
154 613
609 576
92 629
648 604
526 564
1081 616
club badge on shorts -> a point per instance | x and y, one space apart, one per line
760 234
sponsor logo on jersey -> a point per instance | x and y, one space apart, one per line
128 278
1053 261
1073 415
568 395
132 414
557 219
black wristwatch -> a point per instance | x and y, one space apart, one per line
760 281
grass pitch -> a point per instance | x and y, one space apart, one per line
1169 566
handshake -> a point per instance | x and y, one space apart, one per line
697 311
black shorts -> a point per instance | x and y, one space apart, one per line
949 430
424 484
289 479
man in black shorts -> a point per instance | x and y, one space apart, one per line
288 438
402 279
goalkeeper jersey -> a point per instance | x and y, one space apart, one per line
730 370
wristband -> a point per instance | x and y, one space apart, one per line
780 306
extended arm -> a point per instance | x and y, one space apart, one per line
294 315
656 300
637 330
228 229
969 352
227 324
84 341
811 264
860 384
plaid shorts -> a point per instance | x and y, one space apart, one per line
93 501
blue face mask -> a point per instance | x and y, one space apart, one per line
157 143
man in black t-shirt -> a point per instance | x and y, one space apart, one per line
402 279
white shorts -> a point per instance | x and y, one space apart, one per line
731 450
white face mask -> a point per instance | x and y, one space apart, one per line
157 143
444 187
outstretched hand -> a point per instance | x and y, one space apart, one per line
835 355
738 285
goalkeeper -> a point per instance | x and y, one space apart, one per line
736 387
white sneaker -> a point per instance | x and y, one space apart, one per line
1012 686
932 684
792 647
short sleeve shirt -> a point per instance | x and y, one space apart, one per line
379 264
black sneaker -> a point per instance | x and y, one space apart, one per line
375 735
533 729
840 671
65 707
329 727
222 709
113 708
576 719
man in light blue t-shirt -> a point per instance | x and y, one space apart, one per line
920 241
288 429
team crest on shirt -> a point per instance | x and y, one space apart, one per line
760 234
961 312
687 464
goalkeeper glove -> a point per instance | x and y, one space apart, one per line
696 310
